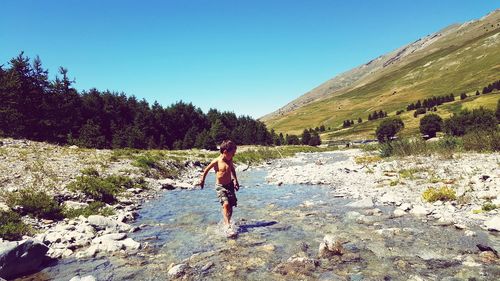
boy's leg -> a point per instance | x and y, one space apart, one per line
227 212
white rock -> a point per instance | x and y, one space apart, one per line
405 206
4 207
85 278
101 222
493 224
419 211
469 233
74 205
130 244
444 221
363 203
469 261
177 270
399 213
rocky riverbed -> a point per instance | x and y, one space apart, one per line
343 215
475 179
50 168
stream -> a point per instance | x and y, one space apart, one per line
275 223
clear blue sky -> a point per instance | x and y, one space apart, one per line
250 57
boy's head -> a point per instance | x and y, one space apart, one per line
228 148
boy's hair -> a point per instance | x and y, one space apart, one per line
227 145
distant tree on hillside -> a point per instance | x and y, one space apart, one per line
306 137
430 124
315 139
388 129
479 120
463 96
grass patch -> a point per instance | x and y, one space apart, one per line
489 207
12 227
35 203
151 166
262 154
367 159
104 189
409 173
94 208
443 193
394 183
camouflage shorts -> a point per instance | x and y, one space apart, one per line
226 193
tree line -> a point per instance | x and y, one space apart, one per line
34 107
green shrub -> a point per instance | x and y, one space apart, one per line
94 208
443 193
430 124
482 141
35 203
105 189
388 129
489 206
478 120
12 227
151 166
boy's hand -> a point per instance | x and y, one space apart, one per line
201 184
236 185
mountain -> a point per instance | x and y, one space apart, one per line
459 58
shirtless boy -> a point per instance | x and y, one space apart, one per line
226 181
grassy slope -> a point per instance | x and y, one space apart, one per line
464 68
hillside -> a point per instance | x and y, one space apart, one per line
460 58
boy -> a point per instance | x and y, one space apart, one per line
225 185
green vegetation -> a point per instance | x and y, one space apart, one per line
151 166
37 108
262 154
477 120
367 159
443 193
104 189
428 75
430 124
94 208
388 129
408 173
489 207
35 203
12 227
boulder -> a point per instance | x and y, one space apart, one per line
493 224
419 211
100 222
399 213
330 247
20 258
177 270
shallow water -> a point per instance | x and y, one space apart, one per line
275 223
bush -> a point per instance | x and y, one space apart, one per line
35 203
105 189
443 194
94 208
489 207
12 227
151 167
430 124
479 120
388 129
419 111
482 141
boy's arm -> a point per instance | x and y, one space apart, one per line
233 172
205 172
